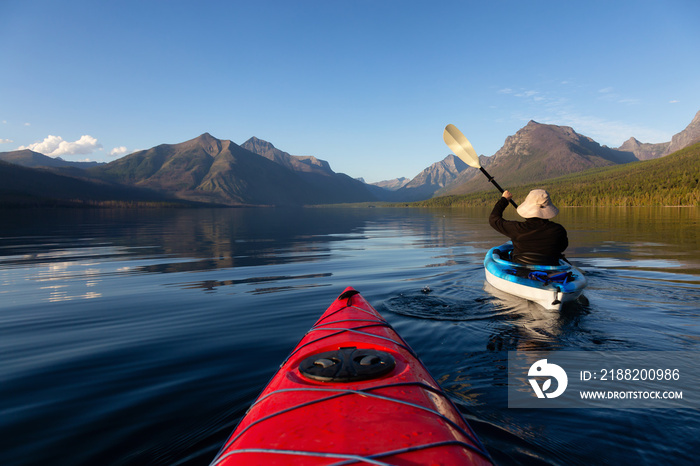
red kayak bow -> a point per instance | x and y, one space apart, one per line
352 392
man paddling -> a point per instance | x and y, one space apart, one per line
537 240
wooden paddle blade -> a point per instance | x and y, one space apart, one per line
461 146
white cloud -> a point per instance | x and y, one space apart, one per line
604 131
527 94
5 141
673 101
55 146
117 151
553 108
27 124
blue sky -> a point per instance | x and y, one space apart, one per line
366 85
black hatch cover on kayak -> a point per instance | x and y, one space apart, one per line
347 365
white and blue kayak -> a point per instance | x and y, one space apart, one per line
547 285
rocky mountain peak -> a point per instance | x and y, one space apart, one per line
393 185
631 145
690 135
206 141
259 145
295 163
439 174
646 151
454 163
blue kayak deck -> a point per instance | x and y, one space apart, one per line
544 284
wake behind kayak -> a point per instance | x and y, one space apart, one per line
352 392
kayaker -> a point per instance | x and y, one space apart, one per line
537 240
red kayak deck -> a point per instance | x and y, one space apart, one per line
352 392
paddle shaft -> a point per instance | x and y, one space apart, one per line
490 178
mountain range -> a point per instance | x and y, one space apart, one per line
207 170
540 152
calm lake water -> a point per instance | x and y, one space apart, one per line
142 337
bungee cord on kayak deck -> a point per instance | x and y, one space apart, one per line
351 330
293 414
347 459
364 393
353 458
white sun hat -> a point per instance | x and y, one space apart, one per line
537 204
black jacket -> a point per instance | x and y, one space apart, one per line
535 241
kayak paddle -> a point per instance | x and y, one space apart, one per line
463 149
